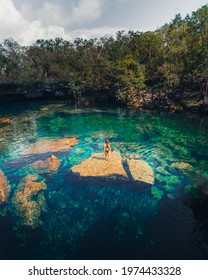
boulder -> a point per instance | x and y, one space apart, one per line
141 171
4 188
51 165
27 209
50 145
98 166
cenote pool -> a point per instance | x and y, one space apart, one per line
75 218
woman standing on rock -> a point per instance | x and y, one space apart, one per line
107 149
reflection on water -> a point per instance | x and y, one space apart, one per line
98 218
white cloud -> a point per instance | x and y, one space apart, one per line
52 13
87 11
49 20
14 24
64 14
27 10
11 21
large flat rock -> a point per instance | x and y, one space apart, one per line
50 145
98 166
4 188
141 171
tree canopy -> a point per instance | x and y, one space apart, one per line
171 58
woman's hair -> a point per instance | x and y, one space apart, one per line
107 141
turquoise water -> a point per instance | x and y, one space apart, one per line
101 219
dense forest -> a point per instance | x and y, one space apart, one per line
171 60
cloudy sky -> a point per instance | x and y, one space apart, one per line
26 21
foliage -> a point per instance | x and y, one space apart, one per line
173 58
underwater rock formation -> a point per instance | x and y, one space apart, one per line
4 127
51 165
27 209
141 171
4 188
49 145
98 166
182 166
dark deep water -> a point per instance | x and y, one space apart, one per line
108 220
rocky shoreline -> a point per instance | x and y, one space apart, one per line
194 102
178 101
16 92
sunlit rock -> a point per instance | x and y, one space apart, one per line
5 120
26 208
51 165
141 171
50 145
98 166
182 166
4 188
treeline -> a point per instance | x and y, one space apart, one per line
171 59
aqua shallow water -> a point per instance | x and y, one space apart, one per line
108 220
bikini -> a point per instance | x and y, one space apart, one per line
107 149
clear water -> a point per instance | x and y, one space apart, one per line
108 220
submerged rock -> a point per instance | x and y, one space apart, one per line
79 151
156 192
182 166
162 170
98 166
4 188
50 145
51 165
27 209
141 171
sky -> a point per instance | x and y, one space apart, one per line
26 21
